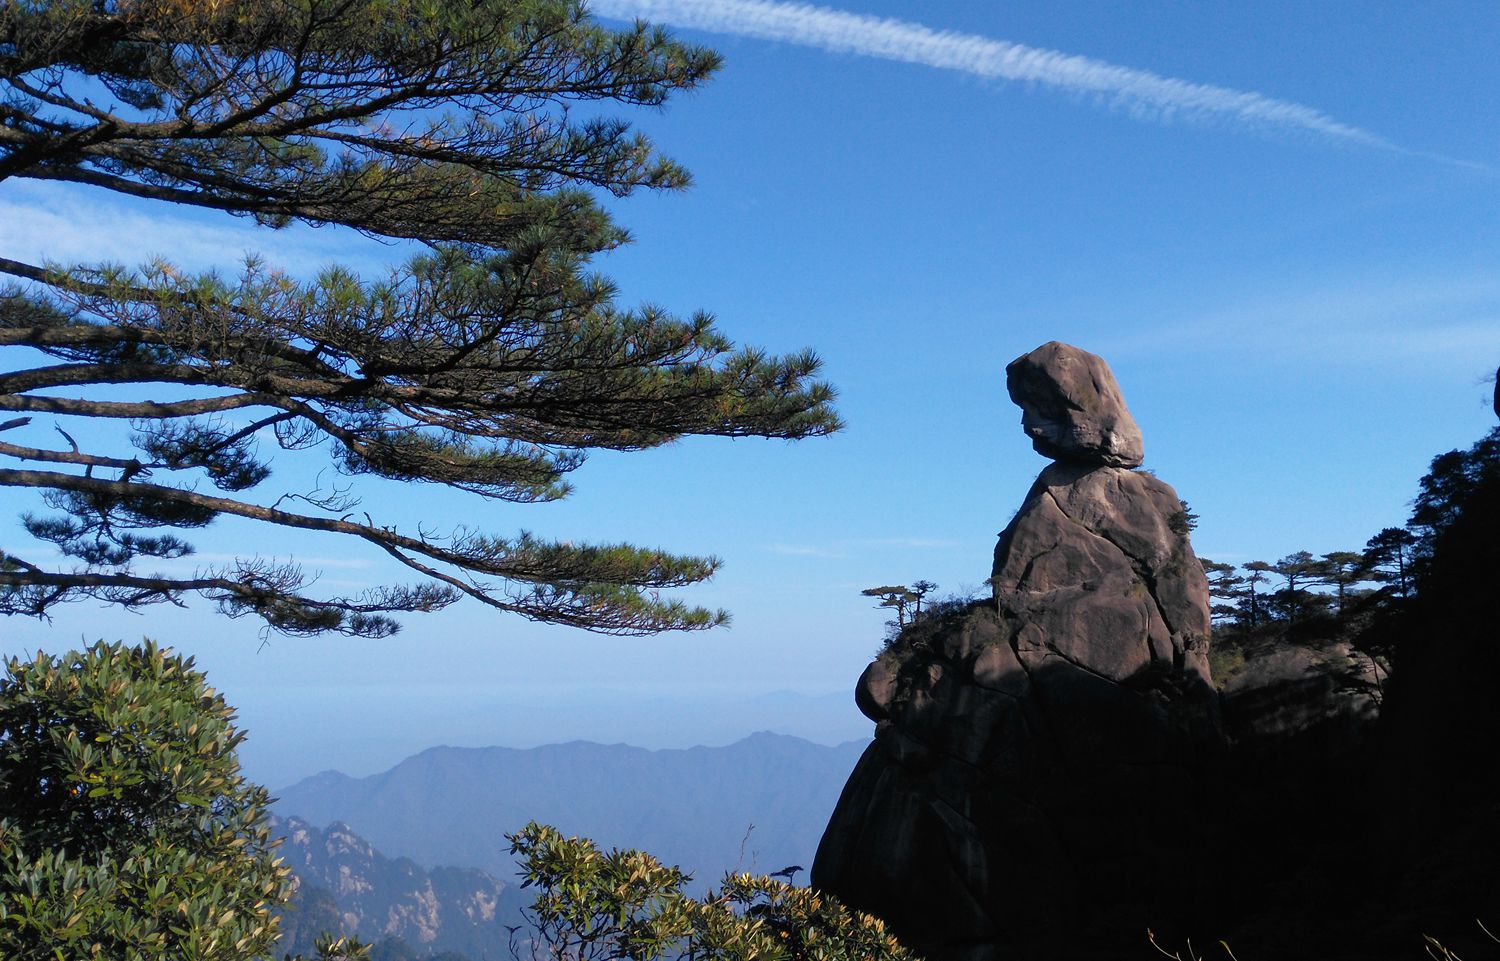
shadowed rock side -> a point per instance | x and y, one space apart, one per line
1320 699
1037 766
1440 743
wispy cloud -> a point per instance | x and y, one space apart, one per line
1142 93
65 224
936 543
803 550
1452 320
848 547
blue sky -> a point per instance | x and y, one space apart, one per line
1276 221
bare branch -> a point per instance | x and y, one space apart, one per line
63 457
132 409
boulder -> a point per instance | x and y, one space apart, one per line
1071 407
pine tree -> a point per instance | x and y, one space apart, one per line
1297 570
919 590
1256 572
1388 556
897 597
1342 570
1224 584
491 362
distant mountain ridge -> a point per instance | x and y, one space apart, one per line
760 804
414 718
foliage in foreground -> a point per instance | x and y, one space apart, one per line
126 829
601 906
128 833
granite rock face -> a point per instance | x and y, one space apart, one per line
346 886
1071 407
1036 765
1093 572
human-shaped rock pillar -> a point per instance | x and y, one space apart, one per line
1096 569
1036 760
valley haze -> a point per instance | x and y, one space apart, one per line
481 720
759 804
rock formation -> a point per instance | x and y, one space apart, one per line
1051 776
1035 773
346 886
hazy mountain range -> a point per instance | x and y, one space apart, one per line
760 804
286 747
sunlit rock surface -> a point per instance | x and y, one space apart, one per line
1071 407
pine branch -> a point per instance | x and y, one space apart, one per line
491 365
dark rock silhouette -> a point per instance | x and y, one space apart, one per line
1354 840
1037 765
1052 772
1439 748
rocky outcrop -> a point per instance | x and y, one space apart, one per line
1036 770
347 886
1288 695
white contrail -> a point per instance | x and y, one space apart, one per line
1141 92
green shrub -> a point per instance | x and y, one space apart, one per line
1224 661
126 829
596 906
